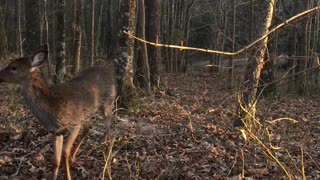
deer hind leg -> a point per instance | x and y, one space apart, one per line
86 128
107 115
67 147
57 146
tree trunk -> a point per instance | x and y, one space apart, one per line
164 32
266 87
247 107
115 26
42 22
48 40
78 14
3 35
233 36
92 33
292 62
32 31
301 79
19 33
152 34
11 27
69 10
142 70
185 23
60 51
126 46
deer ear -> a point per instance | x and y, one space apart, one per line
39 58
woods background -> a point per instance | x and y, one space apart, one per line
80 33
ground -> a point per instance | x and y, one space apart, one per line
185 135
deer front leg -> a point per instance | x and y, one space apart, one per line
57 148
67 147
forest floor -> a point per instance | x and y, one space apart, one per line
188 135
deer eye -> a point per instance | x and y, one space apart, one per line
13 68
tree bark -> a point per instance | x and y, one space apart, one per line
247 105
78 14
233 36
19 33
152 29
115 25
32 31
126 52
92 33
60 50
3 35
10 25
301 79
142 69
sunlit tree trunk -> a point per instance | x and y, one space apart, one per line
266 84
247 105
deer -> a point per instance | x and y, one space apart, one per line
64 108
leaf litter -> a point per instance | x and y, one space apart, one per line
185 136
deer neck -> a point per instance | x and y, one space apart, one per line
38 96
36 86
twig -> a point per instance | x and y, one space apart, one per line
234 163
18 169
268 152
315 163
280 119
302 165
242 158
106 166
20 163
